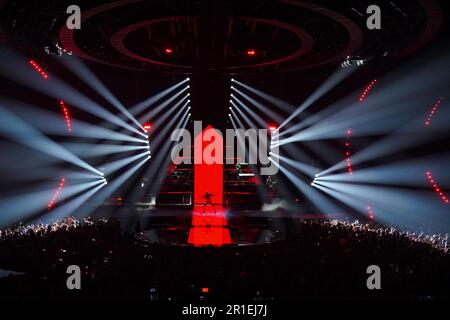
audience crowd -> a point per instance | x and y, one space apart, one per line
317 259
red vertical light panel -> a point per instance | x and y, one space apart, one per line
207 177
209 223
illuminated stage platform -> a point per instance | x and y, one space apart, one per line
209 228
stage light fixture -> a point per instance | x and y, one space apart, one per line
147 127
251 52
168 50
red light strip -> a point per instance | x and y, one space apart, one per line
38 69
433 111
52 201
65 111
348 133
370 212
363 95
436 187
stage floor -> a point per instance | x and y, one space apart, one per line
205 226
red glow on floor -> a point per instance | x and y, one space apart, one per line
52 201
209 228
432 112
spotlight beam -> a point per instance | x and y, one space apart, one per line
324 205
18 130
302 167
96 150
163 159
111 167
163 118
19 207
69 208
329 84
164 132
15 66
395 205
163 153
110 188
153 112
252 148
84 73
258 119
272 114
51 123
281 104
141 106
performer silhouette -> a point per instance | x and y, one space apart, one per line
270 183
208 197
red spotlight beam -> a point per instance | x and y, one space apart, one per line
432 112
38 69
436 187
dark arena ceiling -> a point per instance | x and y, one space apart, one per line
217 36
